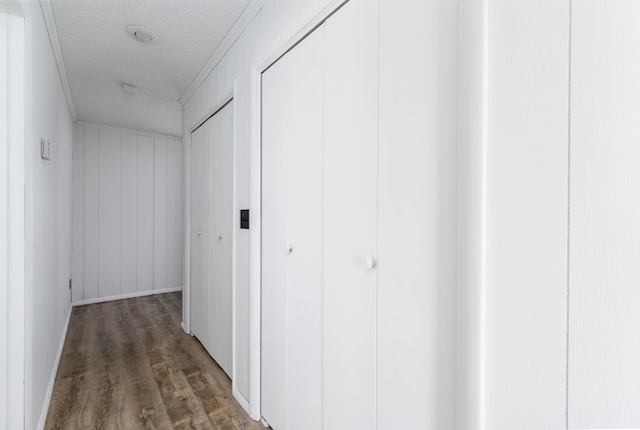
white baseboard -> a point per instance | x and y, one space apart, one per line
125 296
242 401
54 373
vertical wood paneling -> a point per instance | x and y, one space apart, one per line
173 243
221 77
159 214
4 222
145 214
417 189
77 264
230 70
212 88
198 102
604 340
90 213
187 111
526 302
129 213
109 148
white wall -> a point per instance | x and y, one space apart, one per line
417 210
528 117
47 216
127 212
604 343
473 34
12 91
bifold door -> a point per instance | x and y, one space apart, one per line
319 227
211 235
293 130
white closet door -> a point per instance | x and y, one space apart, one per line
211 235
604 291
292 237
350 217
200 234
221 207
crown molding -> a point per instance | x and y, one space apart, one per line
128 130
52 31
236 30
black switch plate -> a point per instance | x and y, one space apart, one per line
244 219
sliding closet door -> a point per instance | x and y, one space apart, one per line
221 224
350 217
199 234
292 136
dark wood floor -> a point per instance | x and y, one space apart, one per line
128 365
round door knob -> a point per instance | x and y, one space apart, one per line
199 233
289 248
219 236
370 263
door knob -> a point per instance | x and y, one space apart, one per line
199 233
219 236
370 263
289 248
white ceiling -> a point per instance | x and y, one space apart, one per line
100 56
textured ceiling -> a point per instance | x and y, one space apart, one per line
99 55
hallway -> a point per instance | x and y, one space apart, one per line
127 364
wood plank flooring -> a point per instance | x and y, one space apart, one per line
128 365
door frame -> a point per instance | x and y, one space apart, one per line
287 41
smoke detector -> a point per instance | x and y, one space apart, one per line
142 34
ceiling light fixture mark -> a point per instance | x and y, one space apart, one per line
142 34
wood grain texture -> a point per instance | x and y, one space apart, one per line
127 212
127 364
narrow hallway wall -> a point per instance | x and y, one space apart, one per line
528 132
47 216
127 213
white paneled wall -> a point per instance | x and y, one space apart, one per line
12 227
127 213
604 342
528 114
417 209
